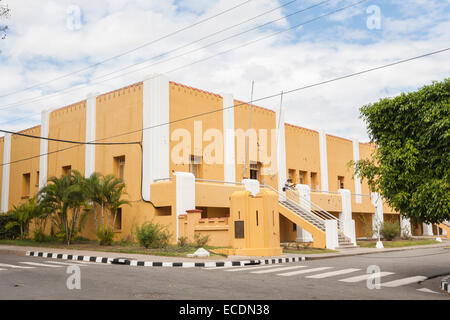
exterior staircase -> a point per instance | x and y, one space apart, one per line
344 241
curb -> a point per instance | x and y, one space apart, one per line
136 263
444 284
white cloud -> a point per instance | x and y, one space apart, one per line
39 37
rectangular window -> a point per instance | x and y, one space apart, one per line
118 222
254 170
257 218
37 179
294 228
292 177
314 185
302 177
340 182
119 167
66 170
194 165
26 185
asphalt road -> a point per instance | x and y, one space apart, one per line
403 277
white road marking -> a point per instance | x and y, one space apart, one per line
13 266
294 273
2 269
249 268
66 263
41 264
366 276
404 281
426 290
278 269
332 273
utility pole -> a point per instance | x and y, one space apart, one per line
248 131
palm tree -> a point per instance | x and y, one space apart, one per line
63 195
106 192
23 214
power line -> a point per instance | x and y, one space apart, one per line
246 103
66 141
131 50
64 91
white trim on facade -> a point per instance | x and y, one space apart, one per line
91 110
155 140
43 159
229 152
304 193
6 172
358 187
185 194
281 150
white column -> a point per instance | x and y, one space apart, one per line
229 158
43 160
251 185
185 194
427 229
377 217
6 171
331 234
304 193
345 216
281 151
323 160
358 188
91 108
155 140
405 226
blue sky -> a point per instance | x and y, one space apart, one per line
41 47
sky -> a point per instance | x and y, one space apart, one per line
280 45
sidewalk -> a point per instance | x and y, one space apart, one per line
150 260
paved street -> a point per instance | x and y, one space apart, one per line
412 274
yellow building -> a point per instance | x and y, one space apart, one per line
194 154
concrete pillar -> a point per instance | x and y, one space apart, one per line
281 151
43 160
304 193
185 194
427 229
358 187
347 224
323 160
405 227
91 109
6 172
377 217
331 233
229 152
155 137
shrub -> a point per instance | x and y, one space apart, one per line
153 235
200 241
11 233
389 230
39 236
183 242
105 236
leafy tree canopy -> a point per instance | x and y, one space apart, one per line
410 167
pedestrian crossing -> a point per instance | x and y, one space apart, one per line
43 264
346 275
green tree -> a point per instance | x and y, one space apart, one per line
23 214
410 166
66 197
106 192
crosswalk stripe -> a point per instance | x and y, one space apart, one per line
66 263
366 276
293 273
2 269
14 266
41 264
332 273
249 268
278 269
404 281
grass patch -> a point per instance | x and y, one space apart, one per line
397 243
307 250
117 247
